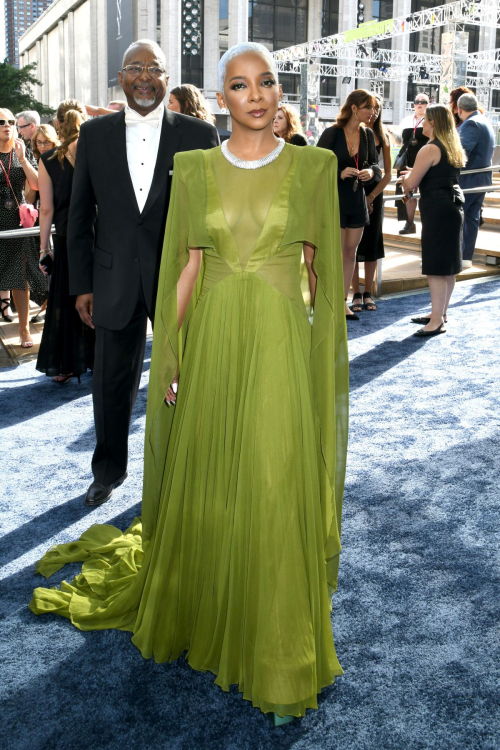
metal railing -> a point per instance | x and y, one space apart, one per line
482 189
8 234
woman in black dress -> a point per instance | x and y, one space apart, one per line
19 270
436 171
67 346
371 247
354 146
413 139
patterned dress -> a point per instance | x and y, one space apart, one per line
18 255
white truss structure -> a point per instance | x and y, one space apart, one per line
484 13
355 53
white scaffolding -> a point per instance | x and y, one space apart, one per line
356 54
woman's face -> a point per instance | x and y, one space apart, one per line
174 104
428 128
251 91
6 131
420 105
453 107
364 113
280 123
43 143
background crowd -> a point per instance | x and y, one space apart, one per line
37 167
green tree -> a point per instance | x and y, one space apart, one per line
15 91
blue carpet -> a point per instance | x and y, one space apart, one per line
417 612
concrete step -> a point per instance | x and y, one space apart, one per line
401 272
491 215
488 240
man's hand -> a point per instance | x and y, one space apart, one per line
84 304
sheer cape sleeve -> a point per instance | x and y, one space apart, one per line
186 227
314 218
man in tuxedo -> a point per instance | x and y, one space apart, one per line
478 141
117 217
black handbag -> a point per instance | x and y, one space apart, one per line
401 160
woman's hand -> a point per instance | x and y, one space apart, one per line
20 149
370 208
171 395
365 175
43 253
349 172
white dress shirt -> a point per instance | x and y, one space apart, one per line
143 141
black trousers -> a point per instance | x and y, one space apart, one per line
119 356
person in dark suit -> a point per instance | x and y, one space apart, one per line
478 141
116 225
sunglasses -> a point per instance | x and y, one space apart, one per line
42 144
7 122
421 101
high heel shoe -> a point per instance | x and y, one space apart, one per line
61 379
4 305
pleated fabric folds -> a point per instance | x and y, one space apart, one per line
236 553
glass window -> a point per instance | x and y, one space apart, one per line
277 23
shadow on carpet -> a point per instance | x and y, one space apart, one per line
416 615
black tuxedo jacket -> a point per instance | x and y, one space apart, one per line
114 250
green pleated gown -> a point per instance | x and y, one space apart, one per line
236 554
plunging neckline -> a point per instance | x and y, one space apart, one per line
215 197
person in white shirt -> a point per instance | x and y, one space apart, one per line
411 135
116 226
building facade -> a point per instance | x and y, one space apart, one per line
19 15
77 44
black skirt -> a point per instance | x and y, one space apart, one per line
442 223
67 344
371 247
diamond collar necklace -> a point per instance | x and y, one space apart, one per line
256 163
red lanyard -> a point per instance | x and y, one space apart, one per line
416 126
7 175
354 156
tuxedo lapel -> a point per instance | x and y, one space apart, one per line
117 142
170 140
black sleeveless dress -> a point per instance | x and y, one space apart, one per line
352 204
67 344
442 218
371 247
409 135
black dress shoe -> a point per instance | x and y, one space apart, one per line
423 321
435 332
408 229
97 493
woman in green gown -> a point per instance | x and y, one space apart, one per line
235 557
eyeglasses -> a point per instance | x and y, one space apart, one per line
20 127
136 70
7 122
421 101
42 144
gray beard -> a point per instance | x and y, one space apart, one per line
144 102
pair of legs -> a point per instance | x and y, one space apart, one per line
370 268
441 288
22 303
411 207
350 241
119 356
472 216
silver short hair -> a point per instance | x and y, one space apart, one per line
31 117
241 49
467 102
146 43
